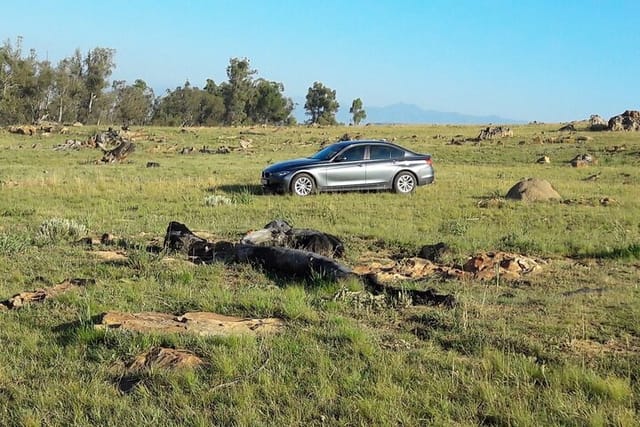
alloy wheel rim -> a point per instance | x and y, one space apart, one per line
303 186
405 183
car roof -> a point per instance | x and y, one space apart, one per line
343 144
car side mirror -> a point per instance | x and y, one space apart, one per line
340 158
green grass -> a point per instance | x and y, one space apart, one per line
528 352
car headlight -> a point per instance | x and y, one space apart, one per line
281 174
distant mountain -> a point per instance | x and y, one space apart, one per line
409 114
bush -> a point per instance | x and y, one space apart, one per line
59 229
217 200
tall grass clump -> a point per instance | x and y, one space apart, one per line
59 229
243 197
11 244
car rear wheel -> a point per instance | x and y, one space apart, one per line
303 185
404 183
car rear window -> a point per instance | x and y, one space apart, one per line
381 152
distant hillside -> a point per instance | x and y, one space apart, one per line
408 114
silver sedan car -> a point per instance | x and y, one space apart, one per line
351 165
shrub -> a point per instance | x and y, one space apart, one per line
59 229
217 200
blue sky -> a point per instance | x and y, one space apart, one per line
528 60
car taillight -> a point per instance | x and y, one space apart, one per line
429 161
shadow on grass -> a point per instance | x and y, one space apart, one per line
630 252
69 333
255 190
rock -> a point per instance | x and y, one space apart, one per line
292 263
597 123
164 358
583 160
40 295
434 252
23 130
543 160
532 190
195 323
567 128
629 120
280 233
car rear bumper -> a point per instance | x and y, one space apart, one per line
426 180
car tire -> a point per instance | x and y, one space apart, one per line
303 185
404 183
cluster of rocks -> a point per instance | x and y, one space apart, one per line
481 266
492 132
629 120
44 129
583 160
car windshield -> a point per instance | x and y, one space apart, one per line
328 153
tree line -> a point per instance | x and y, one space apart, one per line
77 89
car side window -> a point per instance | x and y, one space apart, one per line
353 154
380 152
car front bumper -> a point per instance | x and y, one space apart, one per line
275 184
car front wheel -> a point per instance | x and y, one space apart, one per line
404 183
303 185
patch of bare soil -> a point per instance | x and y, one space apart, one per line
197 323
592 348
111 256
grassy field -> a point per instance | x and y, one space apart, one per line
527 353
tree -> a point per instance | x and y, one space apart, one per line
238 91
357 111
269 105
212 110
132 104
321 105
179 107
67 89
25 85
98 67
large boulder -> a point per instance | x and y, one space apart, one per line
533 190
280 233
629 120
597 123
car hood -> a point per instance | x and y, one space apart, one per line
292 164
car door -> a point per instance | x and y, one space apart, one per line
347 169
383 165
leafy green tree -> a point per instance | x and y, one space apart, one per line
357 111
98 67
132 104
25 85
178 107
212 109
269 105
238 90
189 106
67 89
321 105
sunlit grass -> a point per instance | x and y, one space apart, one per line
530 352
